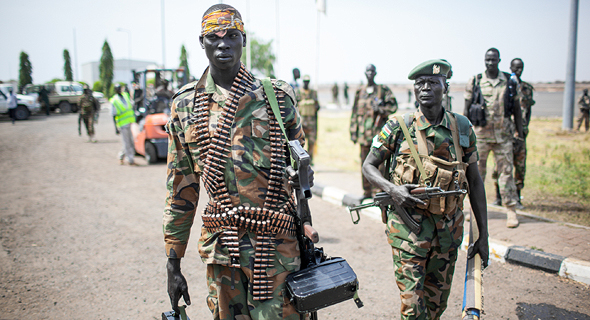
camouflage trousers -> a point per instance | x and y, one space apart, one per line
239 303
89 124
424 282
519 161
504 159
310 128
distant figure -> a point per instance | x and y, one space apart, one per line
44 99
373 104
88 107
335 94
345 91
410 96
123 116
296 76
137 96
499 126
584 103
446 103
164 91
525 92
308 109
12 104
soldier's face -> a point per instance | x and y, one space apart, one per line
224 49
492 60
370 73
306 84
516 67
429 90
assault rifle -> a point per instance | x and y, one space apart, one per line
383 199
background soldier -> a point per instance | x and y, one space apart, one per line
308 109
44 98
335 93
372 106
584 103
345 92
222 132
525 91
499 132
425 262
446 103
88 107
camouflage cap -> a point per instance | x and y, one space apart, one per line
435 67
306 77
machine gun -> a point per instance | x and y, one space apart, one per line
383 199
511 92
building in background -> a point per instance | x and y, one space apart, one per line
122 70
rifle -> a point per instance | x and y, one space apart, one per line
472 291
383 199
511 93
79 124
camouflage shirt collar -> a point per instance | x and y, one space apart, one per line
422 123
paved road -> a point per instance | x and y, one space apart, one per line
81 237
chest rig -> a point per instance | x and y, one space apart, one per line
429 171
220 215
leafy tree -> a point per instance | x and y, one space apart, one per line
97 86
262 56
184 62
106 69
25 72
68 66
54 80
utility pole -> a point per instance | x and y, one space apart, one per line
248 41
163 39
570 74
75 57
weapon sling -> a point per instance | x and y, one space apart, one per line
321 284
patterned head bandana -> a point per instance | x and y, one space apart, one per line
221 21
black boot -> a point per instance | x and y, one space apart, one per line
519 205
498 201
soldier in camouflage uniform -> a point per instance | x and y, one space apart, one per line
525 91
499 132
308 109
371 108
223 133
88 106
584 103
424 263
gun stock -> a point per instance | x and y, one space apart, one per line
472 293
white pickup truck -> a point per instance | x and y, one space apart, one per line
63 95
26 105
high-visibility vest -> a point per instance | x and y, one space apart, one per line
125 114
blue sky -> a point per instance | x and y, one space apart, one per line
393 35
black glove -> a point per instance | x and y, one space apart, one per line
177 285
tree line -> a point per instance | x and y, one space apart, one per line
262 63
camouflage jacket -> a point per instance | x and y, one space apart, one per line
236 130
525 91
308 104
441 229
497 129
87 105
371 108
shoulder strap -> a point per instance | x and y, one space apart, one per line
423 175
455 133
274 105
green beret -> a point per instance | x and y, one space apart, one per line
436 67
306 77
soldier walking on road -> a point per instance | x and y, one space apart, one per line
123 116
584 103
498 133
345 92
335 94
525 91
373 103
308 109
223 133
44 99
424 263
88 107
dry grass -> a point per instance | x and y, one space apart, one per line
557 184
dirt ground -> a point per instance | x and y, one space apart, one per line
81 238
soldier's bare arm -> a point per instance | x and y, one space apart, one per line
477 198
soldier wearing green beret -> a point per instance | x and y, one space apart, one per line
425 262
371 108
308 109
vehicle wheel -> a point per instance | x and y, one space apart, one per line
65 107
74 108
21 113
151 154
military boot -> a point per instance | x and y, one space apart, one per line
498 201
511 218
519 205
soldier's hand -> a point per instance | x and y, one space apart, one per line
401 195
293 176
116 131
177 285
480 246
